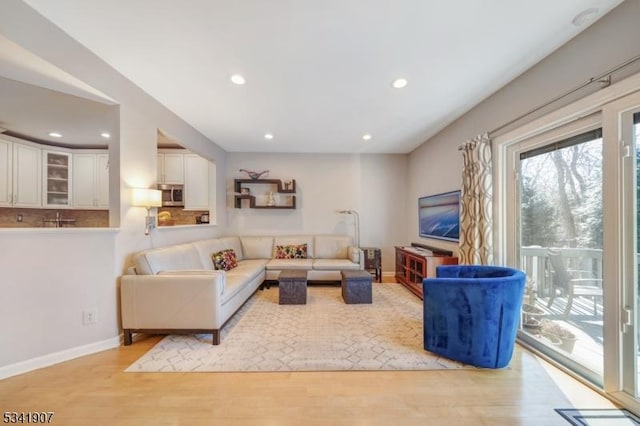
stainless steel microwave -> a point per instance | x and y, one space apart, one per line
172 195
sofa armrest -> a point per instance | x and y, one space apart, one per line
356 255
190 272
171 301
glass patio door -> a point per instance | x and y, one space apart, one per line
560 225
568 214
630 356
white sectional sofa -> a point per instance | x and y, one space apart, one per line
176 289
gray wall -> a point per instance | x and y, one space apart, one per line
436 165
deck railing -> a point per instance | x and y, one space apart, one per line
535 262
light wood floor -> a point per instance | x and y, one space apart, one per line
94 390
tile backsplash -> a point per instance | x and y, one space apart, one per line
179 216
34 218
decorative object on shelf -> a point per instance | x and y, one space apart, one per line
254 175
287 185
271 198
356 223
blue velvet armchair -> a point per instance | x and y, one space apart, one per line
472 312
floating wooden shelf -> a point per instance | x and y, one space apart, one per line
280 189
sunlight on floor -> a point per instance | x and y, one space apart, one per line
579 395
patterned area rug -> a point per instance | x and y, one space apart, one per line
324 335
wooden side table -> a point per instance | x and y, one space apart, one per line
373 261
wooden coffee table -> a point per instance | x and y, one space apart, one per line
292 287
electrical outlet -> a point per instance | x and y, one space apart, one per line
90 316
19 217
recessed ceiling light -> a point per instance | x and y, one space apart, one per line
399 83
366 137
237 79
268 136
105 135
55 135
585 17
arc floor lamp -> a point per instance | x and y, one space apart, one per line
356 223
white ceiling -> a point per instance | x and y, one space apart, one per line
319 73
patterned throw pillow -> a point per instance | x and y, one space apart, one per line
225 259
291 252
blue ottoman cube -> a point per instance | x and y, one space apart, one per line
356 286
292 287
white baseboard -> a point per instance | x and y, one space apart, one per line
57 357
388 274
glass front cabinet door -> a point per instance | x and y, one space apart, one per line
57 179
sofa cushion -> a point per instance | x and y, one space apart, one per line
280 264
286 240
257 247
237 278
332 246
181 256
291 252
334 264
233 243
249 268
235 283
225 259
207 247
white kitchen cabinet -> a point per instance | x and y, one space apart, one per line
27 172
91 181
6 173
170 168
196 182
57 176
21 174
102 176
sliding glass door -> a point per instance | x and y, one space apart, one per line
560 229
568 209
630 356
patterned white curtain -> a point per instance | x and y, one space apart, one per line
476 207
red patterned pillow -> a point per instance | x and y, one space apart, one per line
291 252
225 259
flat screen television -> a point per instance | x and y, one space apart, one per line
439 216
